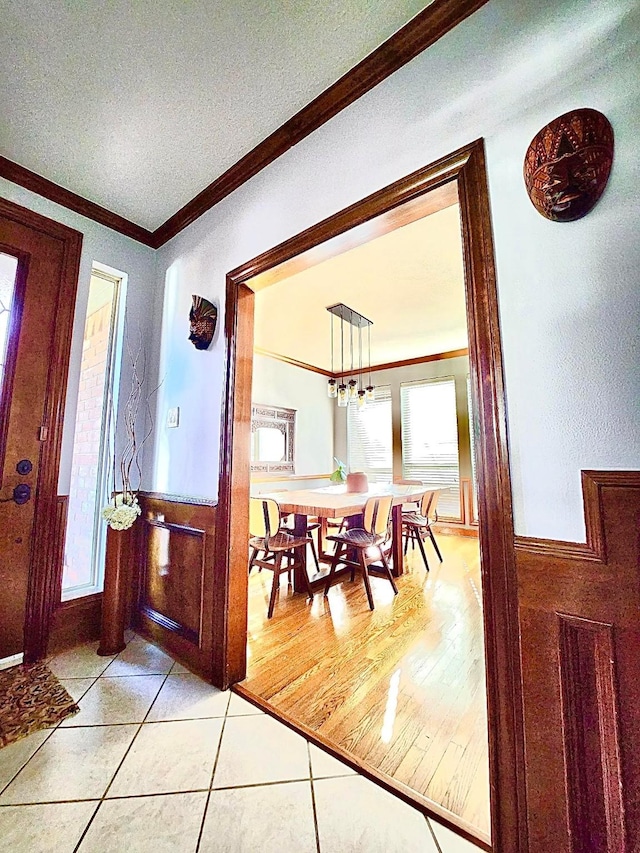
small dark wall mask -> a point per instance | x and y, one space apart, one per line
202 317
567 165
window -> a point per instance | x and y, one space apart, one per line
369 437
272 439
84 552
430 439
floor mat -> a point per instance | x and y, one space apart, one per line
31 698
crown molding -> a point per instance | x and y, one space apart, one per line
435 21
408 362
48 189
390 365
293 361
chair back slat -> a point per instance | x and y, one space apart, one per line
377 513
427 504
264 517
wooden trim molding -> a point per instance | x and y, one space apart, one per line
500 594
390 365
594 549
72 201
429 807
75 621
62 510
427 27
293 361
179 499
409 362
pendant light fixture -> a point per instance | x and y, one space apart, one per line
354 389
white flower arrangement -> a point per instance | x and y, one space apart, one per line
122 513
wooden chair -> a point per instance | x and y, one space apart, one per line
417 525
412 506
267 536
373 534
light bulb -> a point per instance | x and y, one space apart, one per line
353 389
371 392
362 398
343 395
332 387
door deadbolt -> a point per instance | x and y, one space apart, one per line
24 467
21 495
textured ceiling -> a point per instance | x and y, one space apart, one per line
409 282
139 105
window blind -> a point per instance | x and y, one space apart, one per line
430 439
369 437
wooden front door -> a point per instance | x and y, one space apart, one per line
39 261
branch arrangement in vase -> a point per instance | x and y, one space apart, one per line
123 508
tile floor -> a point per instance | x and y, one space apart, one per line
158 760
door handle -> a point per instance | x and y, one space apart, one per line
21 495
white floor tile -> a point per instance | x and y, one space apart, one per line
450 842
117 700
267 818
168 757
323 764
81 662
357 816
76 687
239 707
178 669
140 658
259 749
164 824
44 828
16 755
73 764
188 697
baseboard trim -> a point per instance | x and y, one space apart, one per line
12 660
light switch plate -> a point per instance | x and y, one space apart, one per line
173 417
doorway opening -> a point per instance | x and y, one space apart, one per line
85 540
400 688
464 174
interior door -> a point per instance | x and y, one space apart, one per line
38 277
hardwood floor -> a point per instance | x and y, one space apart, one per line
402 687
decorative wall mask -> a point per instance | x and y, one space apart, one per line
567 165
202 317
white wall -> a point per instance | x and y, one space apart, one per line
276 383
568 292
106 247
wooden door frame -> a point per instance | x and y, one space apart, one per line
499 585
44 569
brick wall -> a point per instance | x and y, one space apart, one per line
86 449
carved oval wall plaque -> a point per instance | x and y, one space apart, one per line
567 164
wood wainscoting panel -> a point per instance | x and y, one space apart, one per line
175 578
580 634
75 621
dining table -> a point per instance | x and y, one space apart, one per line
336 502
